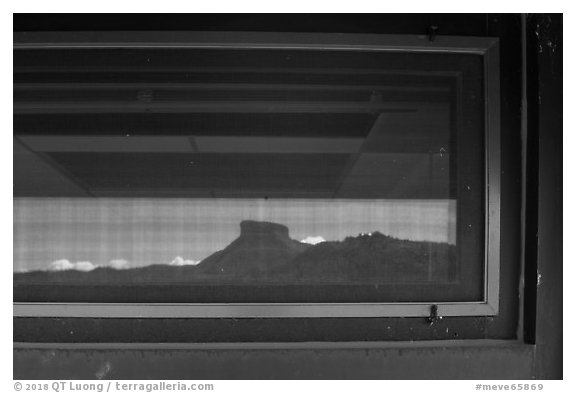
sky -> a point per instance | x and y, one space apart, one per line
81 233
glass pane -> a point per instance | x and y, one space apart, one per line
247 175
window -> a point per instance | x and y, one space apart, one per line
247 175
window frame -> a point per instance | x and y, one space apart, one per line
488 48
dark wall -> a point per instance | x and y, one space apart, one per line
454 360
473 360
448 24
545 37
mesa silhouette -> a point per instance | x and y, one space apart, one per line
265 253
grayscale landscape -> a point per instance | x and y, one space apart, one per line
264 253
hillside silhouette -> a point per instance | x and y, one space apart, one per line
373 257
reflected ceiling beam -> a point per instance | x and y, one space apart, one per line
219 107
191 144
159 192
277 145
222 86
109 144
175 69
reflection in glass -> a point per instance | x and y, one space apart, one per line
213 167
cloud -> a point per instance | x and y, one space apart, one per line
84 266
119 264
313 240
179 261
65 264
61 264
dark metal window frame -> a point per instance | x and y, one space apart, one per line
486 47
